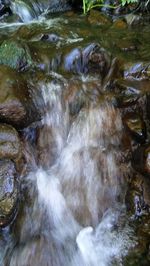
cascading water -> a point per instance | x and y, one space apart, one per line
76 216
77 166
28 10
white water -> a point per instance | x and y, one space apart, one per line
28 10
76 209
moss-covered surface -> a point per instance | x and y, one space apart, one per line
14 55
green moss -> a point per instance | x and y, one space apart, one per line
14 55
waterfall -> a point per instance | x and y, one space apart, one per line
79 194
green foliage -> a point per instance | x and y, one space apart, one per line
123 2
89 4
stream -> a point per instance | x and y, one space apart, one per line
75 115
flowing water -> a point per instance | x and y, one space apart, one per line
79 198
73 208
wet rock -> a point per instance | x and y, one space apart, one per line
15 55
136 126
148 106
127 95
97 18
127 45
8 192
119 24
146 192
134 197
138 203
28 161
73 61
50 38
17 106
96 59
147 160
134 19
9 142
114 73
138 71
4 10
92 58
11 19
141 160
139 254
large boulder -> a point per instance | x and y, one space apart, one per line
17 105
8 192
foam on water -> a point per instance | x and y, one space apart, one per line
80 191
80 197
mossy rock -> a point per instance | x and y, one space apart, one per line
97 18
14 55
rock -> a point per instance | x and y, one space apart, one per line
15 55
119 24
139 253
4 10
73 61
127 95
114 73
147 160
141 160
11 19
52 38
16 102
138 71
127 44
134 19
27 162
137 203
96 59
136 126
8 192
96 18
9 142
134 197
93 58
148 106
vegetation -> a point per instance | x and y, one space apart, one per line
89 4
